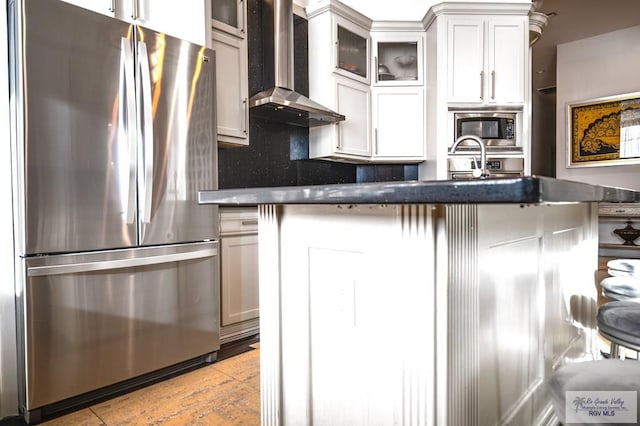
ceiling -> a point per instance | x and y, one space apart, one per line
572 20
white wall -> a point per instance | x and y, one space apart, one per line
590 68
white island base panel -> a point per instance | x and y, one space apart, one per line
422 314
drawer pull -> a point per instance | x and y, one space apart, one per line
250 222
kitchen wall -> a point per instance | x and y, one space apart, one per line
277 152
595 67
543 132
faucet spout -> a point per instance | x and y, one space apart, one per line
483 152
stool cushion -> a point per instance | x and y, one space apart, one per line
622 285
610 295
602 375
630 266
621 320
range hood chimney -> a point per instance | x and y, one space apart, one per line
281 103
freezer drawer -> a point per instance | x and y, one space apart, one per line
99 318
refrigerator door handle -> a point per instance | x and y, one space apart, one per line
74 268
127 104
146 186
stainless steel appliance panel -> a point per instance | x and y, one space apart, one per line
177 150
496 129
99 318
461 167
78 161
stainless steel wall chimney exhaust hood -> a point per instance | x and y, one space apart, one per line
281 103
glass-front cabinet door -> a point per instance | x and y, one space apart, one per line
229 16
352 50
397 59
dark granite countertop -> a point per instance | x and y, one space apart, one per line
525 190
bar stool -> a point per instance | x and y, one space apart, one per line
601 375
621 288
619 322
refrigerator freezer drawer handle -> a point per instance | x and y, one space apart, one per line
147 124
74 268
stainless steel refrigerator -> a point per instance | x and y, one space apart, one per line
113 134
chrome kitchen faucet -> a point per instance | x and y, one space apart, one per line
479 172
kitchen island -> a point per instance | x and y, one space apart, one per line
419 303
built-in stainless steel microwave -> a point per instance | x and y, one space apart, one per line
494 128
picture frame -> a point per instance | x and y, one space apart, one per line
604 131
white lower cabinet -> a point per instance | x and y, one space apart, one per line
239 301
398 123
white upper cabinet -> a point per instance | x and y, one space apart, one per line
398 95
232 88
339 78
187 19
397 58
486 59
105 7
373 74
398 124
354 101
351 54
507 53
348 140
465 59
228 39
229 16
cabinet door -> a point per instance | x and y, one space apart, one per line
397 60
507 55
105 7
185 20
229 16
398 117
354 101
352 50
239 278
231 89
465 59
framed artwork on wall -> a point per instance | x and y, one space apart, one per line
604 131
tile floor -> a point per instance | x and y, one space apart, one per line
226 392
